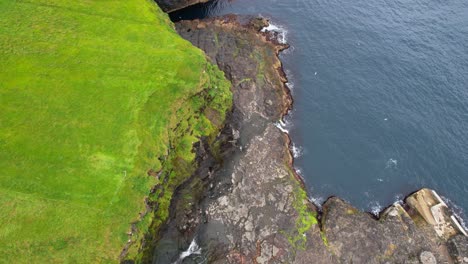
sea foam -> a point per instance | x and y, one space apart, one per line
457 212
317 201
375 208
391 163
297 151
281 32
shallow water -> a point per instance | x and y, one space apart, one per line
381 94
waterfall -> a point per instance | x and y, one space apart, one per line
193 249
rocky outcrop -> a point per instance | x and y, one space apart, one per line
256 209
251 207
402 234
422 230
173 5
356 237
428 205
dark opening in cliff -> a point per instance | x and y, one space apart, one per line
198 11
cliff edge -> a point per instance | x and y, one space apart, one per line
254 208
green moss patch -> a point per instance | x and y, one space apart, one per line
306 218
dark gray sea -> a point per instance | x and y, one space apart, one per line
381 94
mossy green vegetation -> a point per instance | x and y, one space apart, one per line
306 217
93 96
324 238
199 118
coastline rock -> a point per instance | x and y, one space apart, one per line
254 208
427 204
357 237
249 60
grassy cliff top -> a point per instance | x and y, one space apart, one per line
90 92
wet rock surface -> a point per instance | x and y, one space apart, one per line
247 205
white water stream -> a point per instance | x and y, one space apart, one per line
193 249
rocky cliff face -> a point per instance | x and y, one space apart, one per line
255 208
250 205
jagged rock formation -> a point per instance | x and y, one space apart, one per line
254 208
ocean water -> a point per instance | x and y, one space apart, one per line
381 94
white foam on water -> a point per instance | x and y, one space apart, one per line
298 171
193 249
379 180
290 78
457 212
290 86
281 31
288 119
391 163
318 201
297 151
375 208
399 199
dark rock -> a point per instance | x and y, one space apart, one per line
458 248
248 58
173 5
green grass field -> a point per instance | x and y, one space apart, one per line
93 94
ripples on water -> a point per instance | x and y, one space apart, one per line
381 94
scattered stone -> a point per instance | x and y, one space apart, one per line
427 257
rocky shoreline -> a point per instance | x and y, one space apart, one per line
246 204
